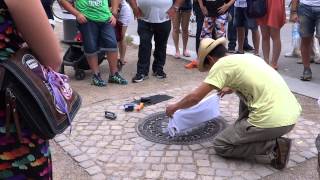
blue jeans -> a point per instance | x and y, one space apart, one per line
146 31
98 36
309 18
199 19
232 32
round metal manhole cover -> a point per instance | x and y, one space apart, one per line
154 128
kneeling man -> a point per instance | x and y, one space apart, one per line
267 109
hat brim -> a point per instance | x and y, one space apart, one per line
206 46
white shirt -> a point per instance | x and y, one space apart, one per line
310 2
155 11
240 3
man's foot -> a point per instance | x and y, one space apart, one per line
248 48
139 78
160 75
231 50
192 64
306 75
97 80
282 152
117 79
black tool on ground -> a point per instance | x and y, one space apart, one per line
151 100
129 107
110 115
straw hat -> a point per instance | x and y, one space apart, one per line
206 46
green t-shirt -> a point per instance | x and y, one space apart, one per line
270 101
94 10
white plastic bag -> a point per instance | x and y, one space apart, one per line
319 101
185 120
295 36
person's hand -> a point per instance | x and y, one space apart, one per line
293 17
204 11
81 18
137 12
113 21
223 9
171 12
224 91
171 109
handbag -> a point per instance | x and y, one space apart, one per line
256 8
36 95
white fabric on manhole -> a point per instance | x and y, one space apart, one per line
185 120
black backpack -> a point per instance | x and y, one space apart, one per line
256 8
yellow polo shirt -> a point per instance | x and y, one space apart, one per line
270 101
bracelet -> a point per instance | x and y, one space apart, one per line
176 8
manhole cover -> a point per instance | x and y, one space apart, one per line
154 128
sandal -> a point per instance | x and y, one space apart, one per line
186 54
177 56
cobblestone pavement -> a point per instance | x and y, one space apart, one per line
113 150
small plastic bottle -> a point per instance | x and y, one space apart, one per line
295 35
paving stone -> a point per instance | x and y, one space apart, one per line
143 153
156 153
153 174
127 147
170 175
172 153
189 167
250 175
185 153
307 154
223 172
175 147
220 165
206 171
188 175
104 158
87 164
81 158
174 167
204 163
99 176
138 159
195 147
297 158
168 159
136 174
142 166
153 159
206 177
93 170
158 167
185 160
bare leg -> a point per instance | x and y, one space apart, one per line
305 51
175 31
265 33
256 41
185 18
112 57
123 44
276 46
241 35
93 63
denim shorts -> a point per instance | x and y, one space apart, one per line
309 18
241 19
98 36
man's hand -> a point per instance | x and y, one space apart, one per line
81 18
113 21
171 12
224 91
223 9
293 17
171 109
137 12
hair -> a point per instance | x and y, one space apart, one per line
218 52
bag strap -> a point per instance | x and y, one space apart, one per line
2 72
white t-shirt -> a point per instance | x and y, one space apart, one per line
240 3
310 2
155 11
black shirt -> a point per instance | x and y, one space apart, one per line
213 5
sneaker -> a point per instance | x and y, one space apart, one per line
97 80
307 74
117 79
282 152
193 64
139 78
248 48
160 74
231 50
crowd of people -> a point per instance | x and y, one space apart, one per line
265 114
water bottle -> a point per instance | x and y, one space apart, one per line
296 35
